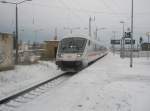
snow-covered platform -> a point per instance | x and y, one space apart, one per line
108 85
25 76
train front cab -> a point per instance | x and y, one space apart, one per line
70 55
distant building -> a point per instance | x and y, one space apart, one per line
6 51
30 53
145 46
50 49
23 46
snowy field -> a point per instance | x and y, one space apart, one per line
107 85
25 76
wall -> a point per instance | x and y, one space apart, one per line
50 49
6 51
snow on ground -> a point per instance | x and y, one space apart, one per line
24 76
108 85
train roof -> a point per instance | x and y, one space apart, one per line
82 36
77 35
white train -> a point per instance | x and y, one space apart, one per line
77 51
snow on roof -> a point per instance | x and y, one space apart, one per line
83 36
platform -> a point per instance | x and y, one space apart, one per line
107 85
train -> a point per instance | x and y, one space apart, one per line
76 52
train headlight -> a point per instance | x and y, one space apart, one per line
79 55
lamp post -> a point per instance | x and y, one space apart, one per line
122 40
90 29
131 55
16 42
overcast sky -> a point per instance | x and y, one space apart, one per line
39 18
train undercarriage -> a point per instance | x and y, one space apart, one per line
70 66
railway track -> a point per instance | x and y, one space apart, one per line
14 101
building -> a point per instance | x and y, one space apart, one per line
6 51
50 49
145 46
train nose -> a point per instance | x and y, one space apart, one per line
78 63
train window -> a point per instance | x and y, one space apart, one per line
72 45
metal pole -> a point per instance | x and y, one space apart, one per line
90 26
16 60
71 31
16 39
96 33
131 55
123 42
148 43
55 38
121 50
148 38
114 32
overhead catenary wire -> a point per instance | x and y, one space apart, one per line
70 10
115 4
110 10
107 6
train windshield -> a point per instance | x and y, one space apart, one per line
72 45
